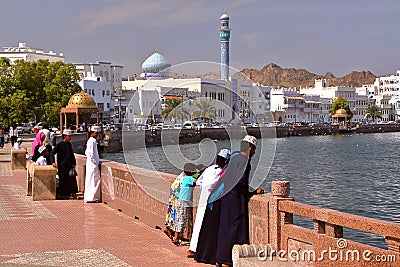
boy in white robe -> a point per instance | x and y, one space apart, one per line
43 154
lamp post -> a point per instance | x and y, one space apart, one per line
118 90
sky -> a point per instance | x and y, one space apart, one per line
336 36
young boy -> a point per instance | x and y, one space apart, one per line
43 154
185 201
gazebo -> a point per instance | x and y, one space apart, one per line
340 113
79 103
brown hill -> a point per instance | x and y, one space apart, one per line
275 76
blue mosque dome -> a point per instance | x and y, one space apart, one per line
224 16
155 63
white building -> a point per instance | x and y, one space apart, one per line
386 107
389 85
24 52
250 99
100 90
103 81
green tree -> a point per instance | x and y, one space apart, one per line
173 109
35 90
5 91
206 110
339 103
373 112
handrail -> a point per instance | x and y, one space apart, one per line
335 217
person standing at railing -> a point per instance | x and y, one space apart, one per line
207 182
92 179
66 161
234 215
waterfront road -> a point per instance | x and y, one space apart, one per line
71 233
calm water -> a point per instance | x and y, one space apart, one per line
357 174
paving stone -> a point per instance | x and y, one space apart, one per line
84 257
72 233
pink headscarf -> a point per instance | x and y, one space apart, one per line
38 141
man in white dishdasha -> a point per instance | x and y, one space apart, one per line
92 180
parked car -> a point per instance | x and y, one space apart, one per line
188 125
25 128
55 130
167 126
37 127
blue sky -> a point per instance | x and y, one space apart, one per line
319 36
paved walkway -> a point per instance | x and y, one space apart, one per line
72 233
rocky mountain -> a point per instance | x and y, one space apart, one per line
275 76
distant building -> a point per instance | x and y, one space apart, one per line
103 81
24 52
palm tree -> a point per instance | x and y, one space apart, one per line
173 109
373 112
206 110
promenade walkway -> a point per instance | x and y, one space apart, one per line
72 233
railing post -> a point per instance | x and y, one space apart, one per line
332 230
280 192
393 244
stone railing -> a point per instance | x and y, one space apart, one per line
143 194
137 192
271 222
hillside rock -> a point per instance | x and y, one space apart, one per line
275 76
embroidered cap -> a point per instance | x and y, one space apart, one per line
67 132
41 149
251 139
95 128
225 153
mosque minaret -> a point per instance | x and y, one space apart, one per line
224 36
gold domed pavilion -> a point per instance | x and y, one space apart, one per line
340 116
81 100
79 103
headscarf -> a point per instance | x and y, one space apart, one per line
38 141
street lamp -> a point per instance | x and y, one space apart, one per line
118 90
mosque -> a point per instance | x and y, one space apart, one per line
233 99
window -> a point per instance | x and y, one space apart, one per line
100 106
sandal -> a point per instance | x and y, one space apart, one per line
190 254
176 243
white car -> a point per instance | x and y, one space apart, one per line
166 126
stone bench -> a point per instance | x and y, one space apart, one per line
41 181
18 159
